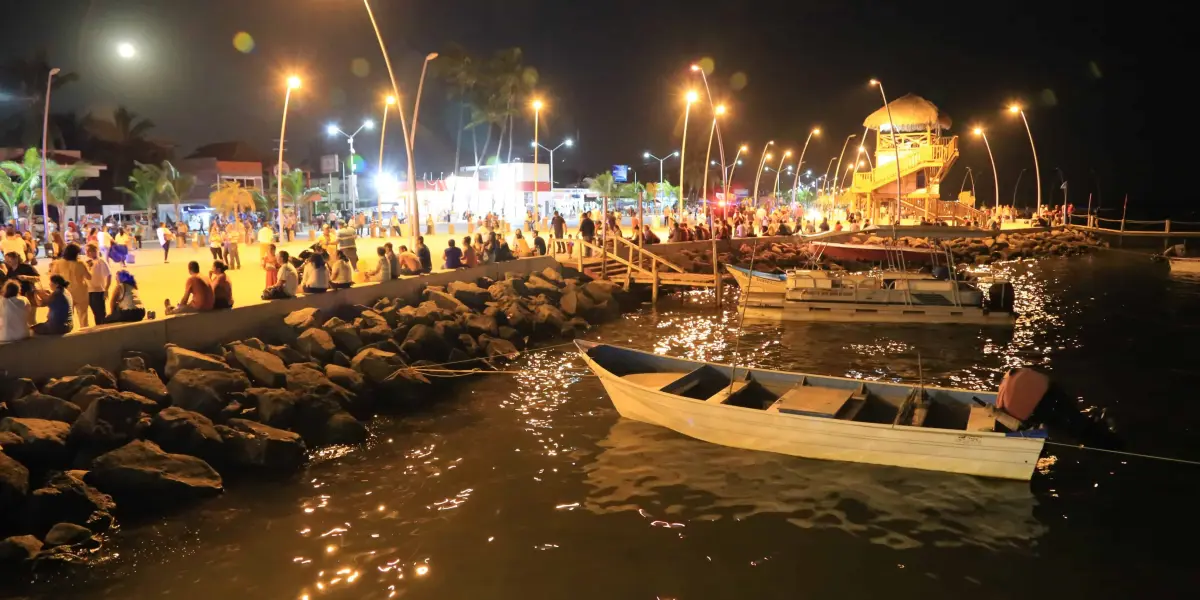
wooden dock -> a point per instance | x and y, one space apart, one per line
621 261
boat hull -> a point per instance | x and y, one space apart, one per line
757 283
1185 265
846 312
872 253
983 454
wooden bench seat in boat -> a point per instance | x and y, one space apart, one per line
654 380
705 383
819 401
981 419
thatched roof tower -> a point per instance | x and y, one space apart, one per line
911 113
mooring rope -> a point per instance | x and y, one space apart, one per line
1122 453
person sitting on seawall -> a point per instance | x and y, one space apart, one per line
393 259
423 254
222 289
14 314
469 257
125 306
523 250
197 294
339 272
287 280
539 244
383 268
77 276
409 263
503 252
59 318
451 256
316 274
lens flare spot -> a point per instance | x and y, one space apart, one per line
707 64
738 81
243 42
1049 98
1094 69
360 67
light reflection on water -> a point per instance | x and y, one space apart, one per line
530 486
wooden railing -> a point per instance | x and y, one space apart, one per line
1162 228
909 163
639 264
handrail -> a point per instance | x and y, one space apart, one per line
643 252
604 254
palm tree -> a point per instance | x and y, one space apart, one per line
28 172
509 82
9 193
25 80
603 184
171 182
458 70
123 138
229 197
62 182
143 189
296 190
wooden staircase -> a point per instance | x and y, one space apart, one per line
620 260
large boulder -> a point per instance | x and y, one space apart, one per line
140 474
548 320
509 288
316 343
346 377
262 367
104 377
303 319
258 446
494 347
308 380
287 354
469 294
67 534
569 303
14 484
17 549
469 345
42 406
43 443
179 359
112 420
66 498
513 336
446 301
144 383
600 290
375 365
11 389
343 428
519 318
536 285
205 392
85 397
346 337
482 324
186 432
552 275
67 387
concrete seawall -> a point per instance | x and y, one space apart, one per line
51 356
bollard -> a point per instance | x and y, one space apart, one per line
450 228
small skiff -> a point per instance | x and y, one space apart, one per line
1185 265
768 289
830 418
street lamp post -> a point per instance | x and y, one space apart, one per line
1037 171
390 100
1017 187
568 143
825 177
895 146
995 176
45 135
761 162
962 187
537 112
293 82
660 168
333 130
733 165
779 171
717 128
800 162
689 98
414 217
718 111
840 156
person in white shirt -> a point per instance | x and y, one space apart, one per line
104 241
339 271
165 237
14 314
287 282
98 285
316 275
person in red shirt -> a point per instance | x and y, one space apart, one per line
197 294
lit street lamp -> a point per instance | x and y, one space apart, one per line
45 130
660 165
762 161
333 130
1037 172
126 50
733 165
995 177
387 102
567 142
800 162
718 111
689 98
840 156
779 170
825 177
293 82
537 112
895 147
720 141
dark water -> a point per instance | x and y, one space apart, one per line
530 486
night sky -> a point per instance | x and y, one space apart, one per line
1096 82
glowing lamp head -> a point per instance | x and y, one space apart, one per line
390 100
861 163
331 129
816 131
1014 109
769 156
569 142
537 105
533 144
675 153
691 96
431 56
744 148
126 50
645 155
720 110
771 143
368 124
874 82
977 131
695 67
293 82
787 153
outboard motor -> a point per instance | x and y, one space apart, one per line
1001 297
1029 396
941 272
